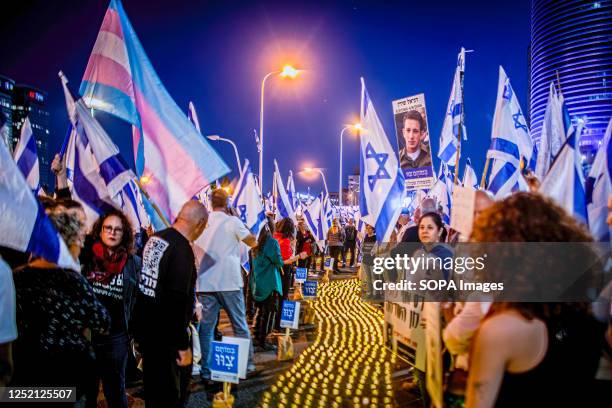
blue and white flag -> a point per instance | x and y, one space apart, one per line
247 201
599 188
509 141
291 194
131 203
312 215
96 171
283 204
553 133
193 117
4 131
26 156
327 215
565 181
441 192
454 117
25 226
470 180
381 182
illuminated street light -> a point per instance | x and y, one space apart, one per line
222 139
287 72
357 127
308 170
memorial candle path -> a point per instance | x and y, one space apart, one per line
347 364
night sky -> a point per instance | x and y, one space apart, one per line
215 53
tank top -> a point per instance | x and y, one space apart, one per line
565 376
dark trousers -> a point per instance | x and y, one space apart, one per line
336 253
267 310
287 282
111 361
165 383
349 246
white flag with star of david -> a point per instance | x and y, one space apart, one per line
381 183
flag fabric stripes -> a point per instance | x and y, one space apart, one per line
193 117
283 205
169 151
96 171
470 179
247 201
599 188
26 156
454 115
25 226
510 141
381 182
565 181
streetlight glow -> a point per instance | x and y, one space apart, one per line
144 180
289 72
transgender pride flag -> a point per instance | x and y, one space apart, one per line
172 158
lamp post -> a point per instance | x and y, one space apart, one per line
356 127
320 171
287 72
222 139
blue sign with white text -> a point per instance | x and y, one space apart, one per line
290 314
300 275
310 289
224 362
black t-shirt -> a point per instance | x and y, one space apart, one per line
167 290
110 294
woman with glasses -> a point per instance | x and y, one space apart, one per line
113 271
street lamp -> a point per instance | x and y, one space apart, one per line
320 171
287 72
222 139
356 127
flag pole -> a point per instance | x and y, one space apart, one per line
155 207
460 133
484 174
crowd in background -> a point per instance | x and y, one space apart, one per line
138 293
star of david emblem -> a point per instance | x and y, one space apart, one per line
242 210
517 124
381 159
507 92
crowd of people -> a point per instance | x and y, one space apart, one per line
138 293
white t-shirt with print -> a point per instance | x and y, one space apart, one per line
219 269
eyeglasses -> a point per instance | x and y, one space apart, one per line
109 229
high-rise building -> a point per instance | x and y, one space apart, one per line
570 45
30 102
6 107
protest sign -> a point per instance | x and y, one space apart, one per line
413 142
290 314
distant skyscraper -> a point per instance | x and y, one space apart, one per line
570 40
30 102
6 107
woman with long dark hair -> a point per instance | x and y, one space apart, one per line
531 354
113 271
265 281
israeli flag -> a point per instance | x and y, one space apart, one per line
131 203
599 188
96 171
25 226
553 133
470 180
247 201
441 192
381 183
509 141
291 194
327 215
26 156
283 204
454 117
565 181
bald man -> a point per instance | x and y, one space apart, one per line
482 201
165 307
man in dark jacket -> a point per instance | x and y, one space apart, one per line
350 240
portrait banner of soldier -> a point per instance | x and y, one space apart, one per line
413 143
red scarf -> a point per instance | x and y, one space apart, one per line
106 265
